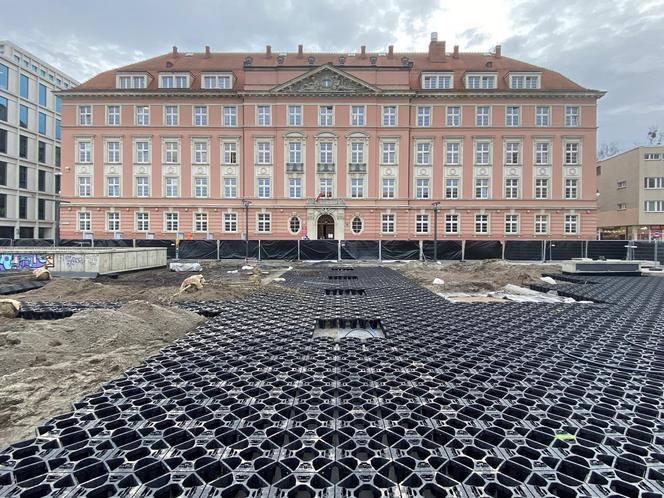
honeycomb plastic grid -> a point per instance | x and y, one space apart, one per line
458 400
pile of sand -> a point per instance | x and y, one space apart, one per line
47 365
476 276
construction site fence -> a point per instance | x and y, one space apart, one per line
378 250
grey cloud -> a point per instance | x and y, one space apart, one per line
613 46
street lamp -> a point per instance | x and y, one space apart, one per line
435 229
246 205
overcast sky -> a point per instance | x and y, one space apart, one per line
611 45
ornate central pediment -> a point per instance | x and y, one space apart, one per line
326 80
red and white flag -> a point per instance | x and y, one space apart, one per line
320 194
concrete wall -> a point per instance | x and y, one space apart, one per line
82 260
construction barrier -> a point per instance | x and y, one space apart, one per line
315 250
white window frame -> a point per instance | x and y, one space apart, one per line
295 188
453 116
512 224
423 188
171 152
264 187
357 152
131 81
572 116
84 186
481 81
113 189
172 186
542 116
571 224
218 81
264 222
85 115
512 188
423 116
171 221
423 153
174 80
389 118
358 115
201 222
201 187
201 151
142 115
481 155
263 115
294 151
482 188
112 221
230 224
437 81
512 116
421 223
452 188
230 187
294 115
84 154
142 220
512 153
571 187
263 152
542 153
113 151
326 152
388 153
142 188
142 156
572 153
326 115
482 224
388 188
171 118
482 119
84 221
451 223
230 115
229 153
524 81
200 115
541 224
357 187
543 187
113 118
388 223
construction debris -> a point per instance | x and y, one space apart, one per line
438 281
9 308
41 274
185 267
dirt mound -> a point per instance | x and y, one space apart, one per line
476 276
47 365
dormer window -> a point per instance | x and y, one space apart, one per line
220 81
174 80
480 81
437 81
525 81
127 81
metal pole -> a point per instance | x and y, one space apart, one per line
246 230
435 230
57 222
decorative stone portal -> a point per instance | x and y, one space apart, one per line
325 227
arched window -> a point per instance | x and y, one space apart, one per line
294 224
356 224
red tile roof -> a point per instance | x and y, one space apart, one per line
198 62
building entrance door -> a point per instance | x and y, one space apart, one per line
325 227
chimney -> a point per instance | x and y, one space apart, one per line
456 52
499 52
390 51
207 51
363 51
436 49
300 52
175 51
268 51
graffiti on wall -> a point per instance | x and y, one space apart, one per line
25 261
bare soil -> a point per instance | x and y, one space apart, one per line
157 285
47 365
476 276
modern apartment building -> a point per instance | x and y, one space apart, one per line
631 194
345 146
29 143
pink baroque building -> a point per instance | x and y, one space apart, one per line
343 146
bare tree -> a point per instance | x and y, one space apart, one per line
607 149
655 135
